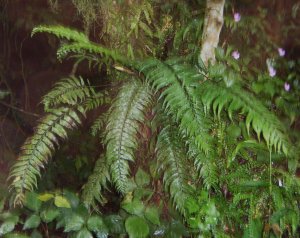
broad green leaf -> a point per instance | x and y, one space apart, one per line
32 202
74 223
142 178
140 193
84 233
101 234
32 222
16 235
49 214
135 207
45 197
36 234
72 198
136 227
96 224
152 215
176 230
60 201
7 227
115 223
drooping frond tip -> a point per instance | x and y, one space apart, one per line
79 43
96 182
126 112
61 32
173 162
39 148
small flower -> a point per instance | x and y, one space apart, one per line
272 71
287 86
235 54
237 17
280 183
281 52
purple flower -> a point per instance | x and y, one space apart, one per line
272 71
237 17
235 54
287 86
281 52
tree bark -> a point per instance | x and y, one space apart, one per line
213 23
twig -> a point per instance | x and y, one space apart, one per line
20 110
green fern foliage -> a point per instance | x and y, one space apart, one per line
97 181
79 44
177 82
218 96
173 162
90 48
70 91
62 33
126 112
40 147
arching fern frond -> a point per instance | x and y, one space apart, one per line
40 147
123 123
62 33
91 48
178 83
70 91
258 117
96 182
79 44
171 155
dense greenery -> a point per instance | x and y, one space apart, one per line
188 150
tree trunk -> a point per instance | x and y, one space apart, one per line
213 23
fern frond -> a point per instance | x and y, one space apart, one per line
96 100
123 123
172 158
70 91
91 48
258 117
205 164
79 44
96 182
178 83
61 32
99 124
40 147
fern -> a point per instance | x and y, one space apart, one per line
97 181
123 123
62 33
177 82
172 159
91 48
39 148
79 44
67 91
99 124
262 121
